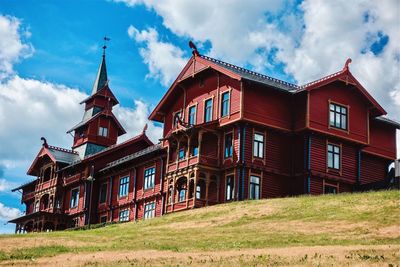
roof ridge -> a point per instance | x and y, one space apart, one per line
63 149
321 79
251 72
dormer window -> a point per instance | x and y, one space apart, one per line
338 116
103 131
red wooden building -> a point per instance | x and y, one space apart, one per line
229 134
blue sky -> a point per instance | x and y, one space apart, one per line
50 51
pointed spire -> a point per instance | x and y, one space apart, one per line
101 78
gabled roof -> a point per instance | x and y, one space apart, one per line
87 118
24 185
346 76
104 92
56 154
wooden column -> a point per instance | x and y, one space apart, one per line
207 187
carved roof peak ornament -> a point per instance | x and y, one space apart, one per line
44 142
346 65
145 128
195 52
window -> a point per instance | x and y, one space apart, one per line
103 219
171 193
149 210
254 187
192 115
329 189
228 146
182 194
181 154
338 116
225 104
198 192
229 187
74 198
103 131
149 177
103 193
37 206
124 215
195 150
258 145
177 117
123 186
208 110
333 157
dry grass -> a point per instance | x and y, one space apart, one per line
349 229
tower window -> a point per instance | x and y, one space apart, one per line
225 104
103 131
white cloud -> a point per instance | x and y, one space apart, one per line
12 48
164 60
5 185
312 39
134 120
7 213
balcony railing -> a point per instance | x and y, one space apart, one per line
173 166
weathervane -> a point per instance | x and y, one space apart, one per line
105 46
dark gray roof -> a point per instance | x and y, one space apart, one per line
87 116
101 78
23 185
388 121
254 76
63 155
148 150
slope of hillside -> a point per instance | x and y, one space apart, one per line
348 228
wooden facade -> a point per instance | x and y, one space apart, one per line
229 134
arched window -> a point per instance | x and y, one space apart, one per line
182 194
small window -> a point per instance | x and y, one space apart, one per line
228 145
170 194
333 157
254 187
37 206
198 191
225 104
103 131
149 177
181 154
338 116
177 117
192 115
229 188
258 145
103 219
123 186
149 210
195 150
103 193
330 189
182 194
124 215
74 198
208 110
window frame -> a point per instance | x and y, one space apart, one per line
102 130
228 103
338 154
70 200
124 218
126 185
179 154
253 185
194 115
258 145
152 175
230 155
211 109
151 211
330 184
332 124
232 190
106 193
176 122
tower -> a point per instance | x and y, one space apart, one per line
99 127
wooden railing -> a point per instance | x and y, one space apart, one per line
173 166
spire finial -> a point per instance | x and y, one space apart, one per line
346 65
194 49
105 46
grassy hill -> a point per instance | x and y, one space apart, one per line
344 229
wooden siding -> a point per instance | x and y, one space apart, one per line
373 169
382 139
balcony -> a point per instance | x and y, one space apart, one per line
193 160
28 196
